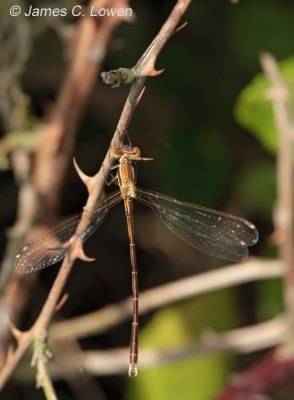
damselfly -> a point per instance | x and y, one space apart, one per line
215 233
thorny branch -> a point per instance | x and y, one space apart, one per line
53 153
146 64
94 185
40 181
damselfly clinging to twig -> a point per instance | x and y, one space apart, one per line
215 233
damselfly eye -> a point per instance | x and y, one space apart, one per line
114 153
136 152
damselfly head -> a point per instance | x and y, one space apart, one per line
126 151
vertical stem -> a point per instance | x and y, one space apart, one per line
283 215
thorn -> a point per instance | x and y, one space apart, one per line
86 258
79 253
140 95
153 72
85 178
61 302
16 333
145 159
178 29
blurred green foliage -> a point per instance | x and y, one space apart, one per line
254 109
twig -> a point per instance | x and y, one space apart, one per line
243 340
44 380
101 320
146 64
40 360
94 185
278 365
283 216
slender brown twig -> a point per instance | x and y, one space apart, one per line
94 185
101 320
243 340
280 96
279 363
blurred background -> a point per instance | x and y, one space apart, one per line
192 120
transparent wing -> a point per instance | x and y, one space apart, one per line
215 233
51 247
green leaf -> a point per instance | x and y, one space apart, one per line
254 112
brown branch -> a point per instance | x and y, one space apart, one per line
283 216
101 320
75 248
146 64
242 341
55 148
278 365
54 151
